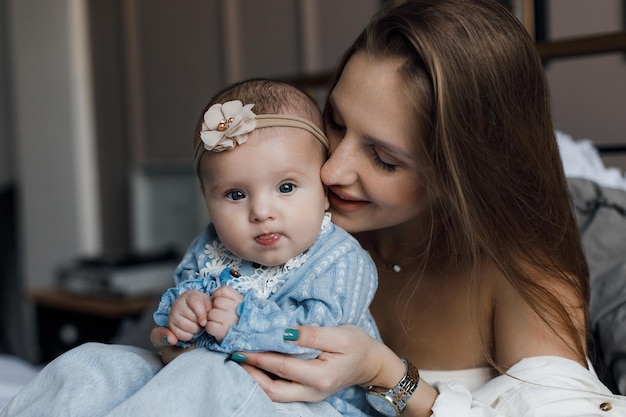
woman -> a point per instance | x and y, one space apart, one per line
444 165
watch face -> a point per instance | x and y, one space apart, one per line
381 404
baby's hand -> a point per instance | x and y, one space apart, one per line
223 314
189 314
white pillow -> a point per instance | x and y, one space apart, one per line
582 160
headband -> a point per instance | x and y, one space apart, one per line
227 125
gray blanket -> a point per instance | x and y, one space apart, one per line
601 215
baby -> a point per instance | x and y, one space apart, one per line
271 258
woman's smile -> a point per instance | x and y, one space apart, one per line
344 203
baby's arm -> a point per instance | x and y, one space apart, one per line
189 314
223 314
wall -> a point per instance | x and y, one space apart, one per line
106 38
6 148
9 276
51 111
55 164
589 93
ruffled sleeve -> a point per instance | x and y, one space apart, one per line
545 386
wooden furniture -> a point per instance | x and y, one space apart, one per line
66 320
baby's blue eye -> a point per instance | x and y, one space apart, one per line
286 188
235 195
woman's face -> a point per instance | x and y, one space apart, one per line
372 173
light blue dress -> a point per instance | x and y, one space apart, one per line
331 284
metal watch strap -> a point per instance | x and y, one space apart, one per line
399 395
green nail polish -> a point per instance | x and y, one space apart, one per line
166 340
291 335
238 357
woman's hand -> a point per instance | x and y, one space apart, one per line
165 341
349 357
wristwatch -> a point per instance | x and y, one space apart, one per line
391 402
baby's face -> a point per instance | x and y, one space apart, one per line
265 197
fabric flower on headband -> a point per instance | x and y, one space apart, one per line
227 125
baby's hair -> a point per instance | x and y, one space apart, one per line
269 97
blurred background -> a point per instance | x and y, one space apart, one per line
98 102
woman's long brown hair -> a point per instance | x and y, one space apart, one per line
487 150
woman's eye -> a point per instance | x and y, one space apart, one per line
235 195
286 188
382 164
331 124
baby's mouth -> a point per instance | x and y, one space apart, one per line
268 238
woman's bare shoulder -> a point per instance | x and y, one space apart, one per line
522 330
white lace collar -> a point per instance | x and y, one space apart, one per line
264 280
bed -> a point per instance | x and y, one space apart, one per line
14 374
599 197
599 200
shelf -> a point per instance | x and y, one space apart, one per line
108 307
588 45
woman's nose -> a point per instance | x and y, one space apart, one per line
339 167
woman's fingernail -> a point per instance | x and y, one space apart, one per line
291 334
166 340
238 357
